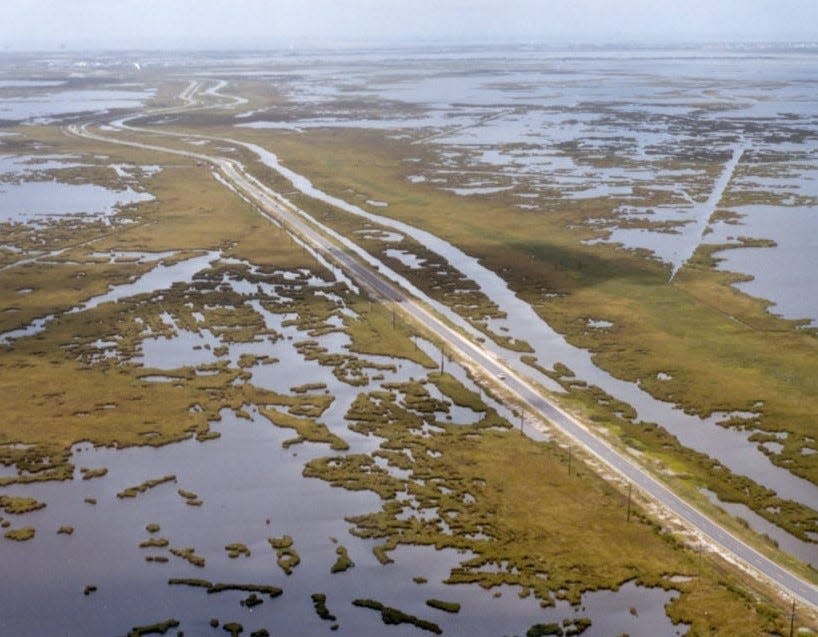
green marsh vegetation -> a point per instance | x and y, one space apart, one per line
22 534
251 601
159 628
17 506
307 387
189 555
154 543
708 329
307 428
234 628
82 397
395 616
568 628
132 492
319 602
55 389
343 563
90 474
235 549
728 353
190 498
461 473
449 607
287 557
689 470
220 587
462 496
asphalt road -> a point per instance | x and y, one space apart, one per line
536 403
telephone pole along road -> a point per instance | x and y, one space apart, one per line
271 205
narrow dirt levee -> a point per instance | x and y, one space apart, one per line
707 209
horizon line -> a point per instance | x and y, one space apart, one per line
431 43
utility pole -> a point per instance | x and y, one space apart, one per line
792 617
629 502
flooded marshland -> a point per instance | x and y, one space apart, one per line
631 129
669 155
201 401
246 478
258 495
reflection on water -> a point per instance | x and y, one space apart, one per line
252 488
160 277
784 273
35 327
43 108
36 201
246 478
26 199
806 551
19 165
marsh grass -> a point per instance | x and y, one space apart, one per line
64 400
343 563
220 587
90 474
189 555
236 549
319 602
307 429
395 616
550 534
287 557
132 492
709 329
159 628
308 387
449 607
376 330
22 534
12 505
522 527
694 467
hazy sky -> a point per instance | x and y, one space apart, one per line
149 24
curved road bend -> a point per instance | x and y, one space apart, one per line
233 171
